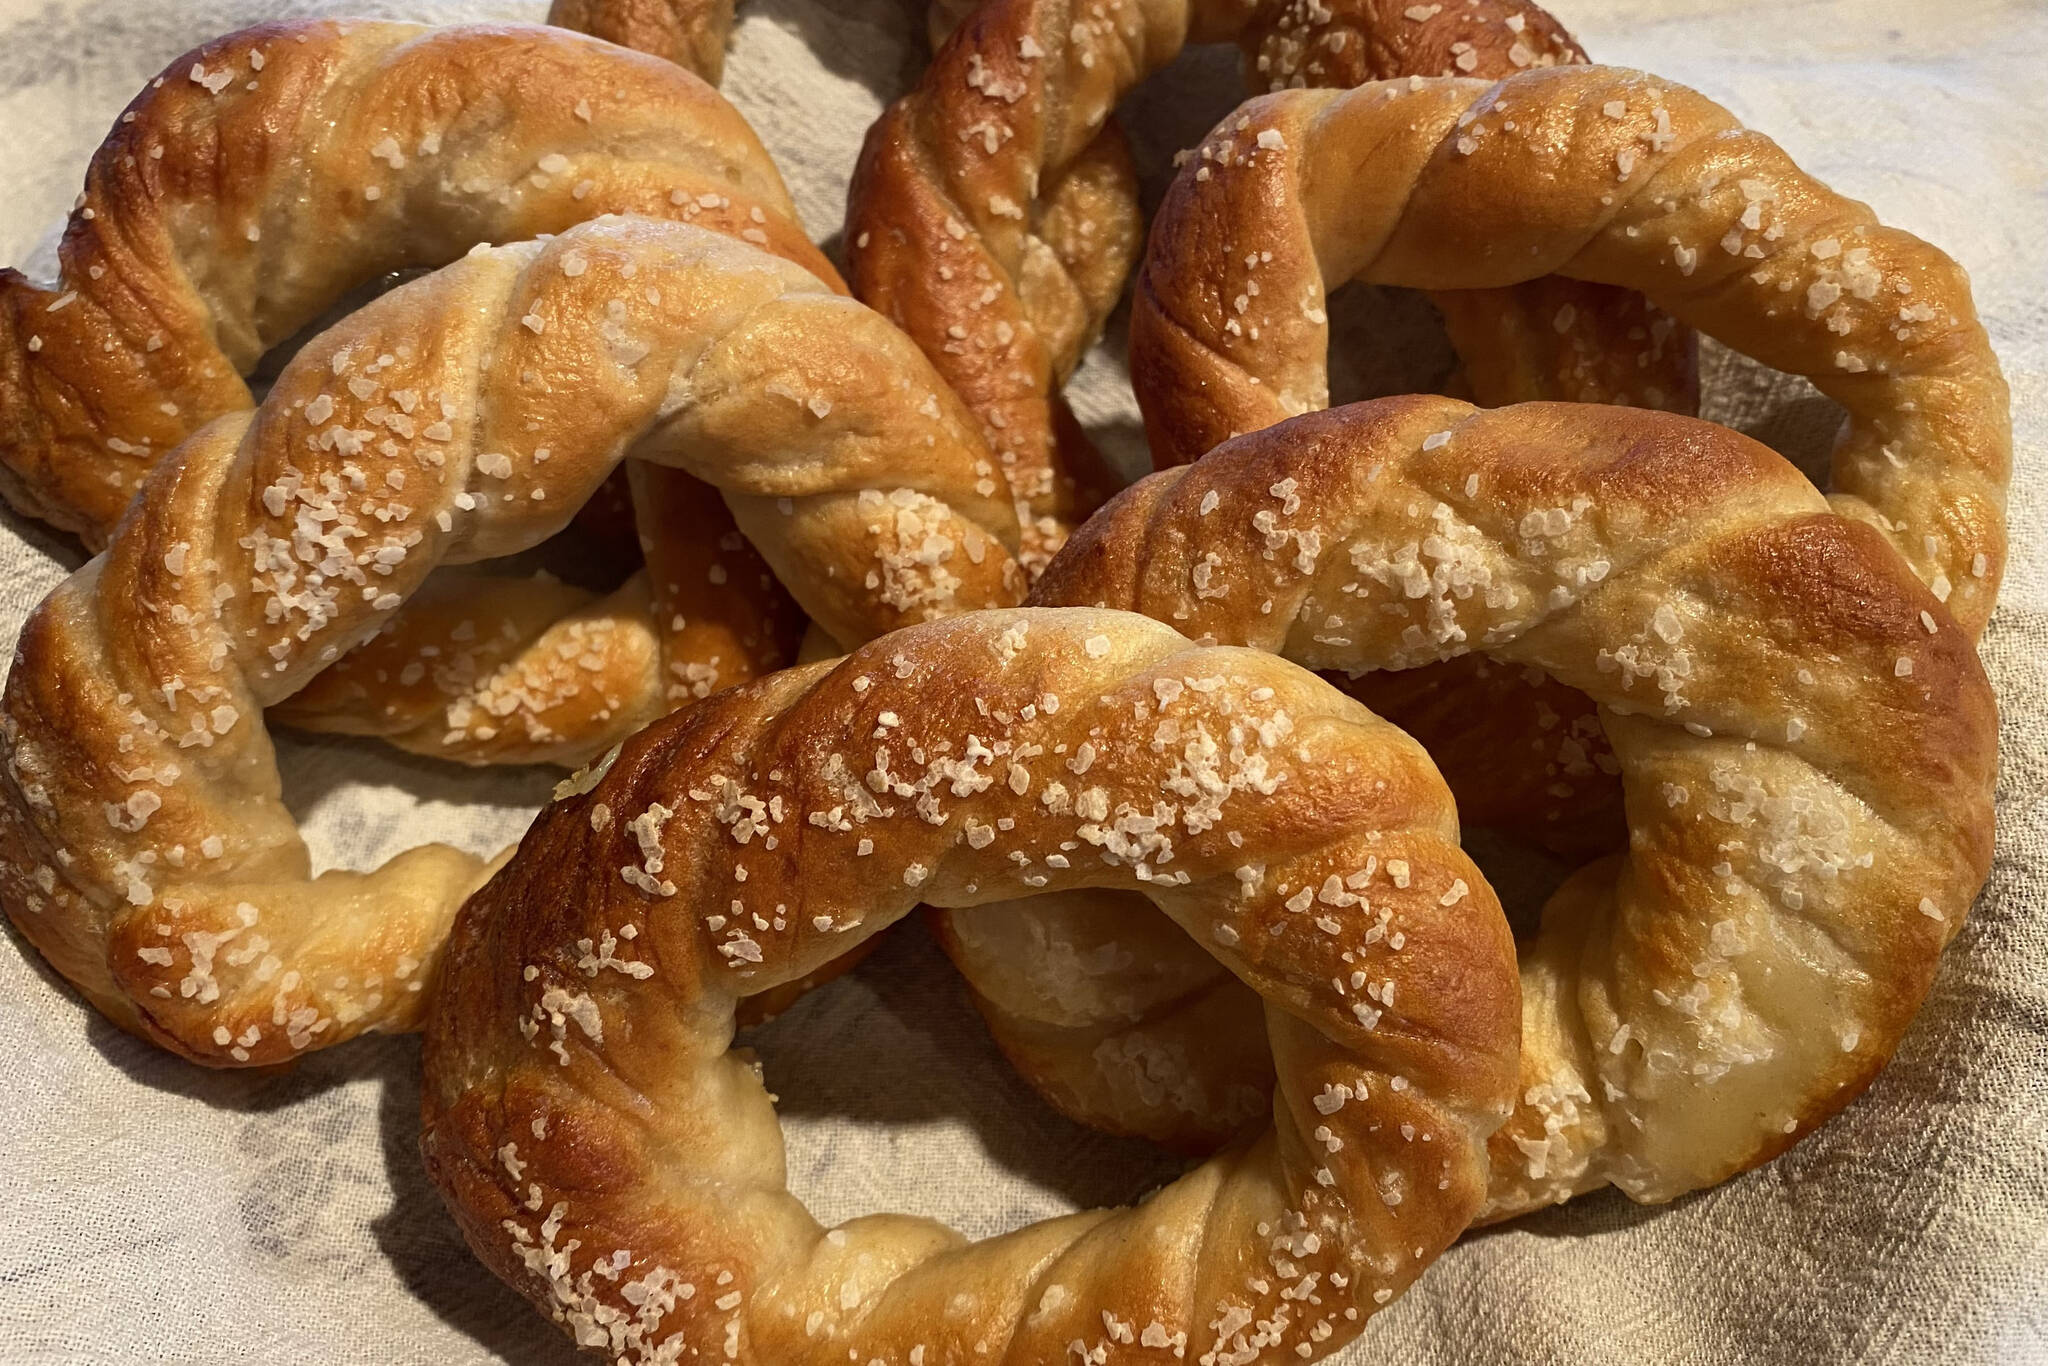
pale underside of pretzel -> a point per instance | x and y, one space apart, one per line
1597 174
147 853
606 1152
1806 741
269 174
965 224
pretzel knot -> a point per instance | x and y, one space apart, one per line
147 853
993 214
604 1150
1596 174
1807 745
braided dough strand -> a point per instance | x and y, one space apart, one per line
142 826
492 670
266 176
966 226
712 636
1552 338
605 1152
690 33
193 252
1597 174
1806 739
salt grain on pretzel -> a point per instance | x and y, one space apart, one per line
1806 739
1597 174
194 249
994 216
146 851
499 670
606 1152
214 225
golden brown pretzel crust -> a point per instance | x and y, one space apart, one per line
690 33
993 215
494 670
1806 739
604 1151
146 851
1549 338
1598 174
193 250
243 207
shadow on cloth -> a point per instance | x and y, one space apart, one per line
844 35
322 774
900 1044
915 1024
426 1250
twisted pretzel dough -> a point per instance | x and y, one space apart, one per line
605 1152
1807 746
194 251
147 854
690 33
688 540
1596 174
993 214
266 176
493 670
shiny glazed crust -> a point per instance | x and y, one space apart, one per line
268 175
1806 740
146 851
994 214
1598 174
606 1153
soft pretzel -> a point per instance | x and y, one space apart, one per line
524 670
1807 745
270 172
605 1151
147 853
1597 174
993 214
267 175
690 33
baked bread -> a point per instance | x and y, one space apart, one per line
1807 745
690 33
269 173
265 178
1598 174
606 1152
502 670
718 613
143 846
993 214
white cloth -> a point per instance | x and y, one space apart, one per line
157 1212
